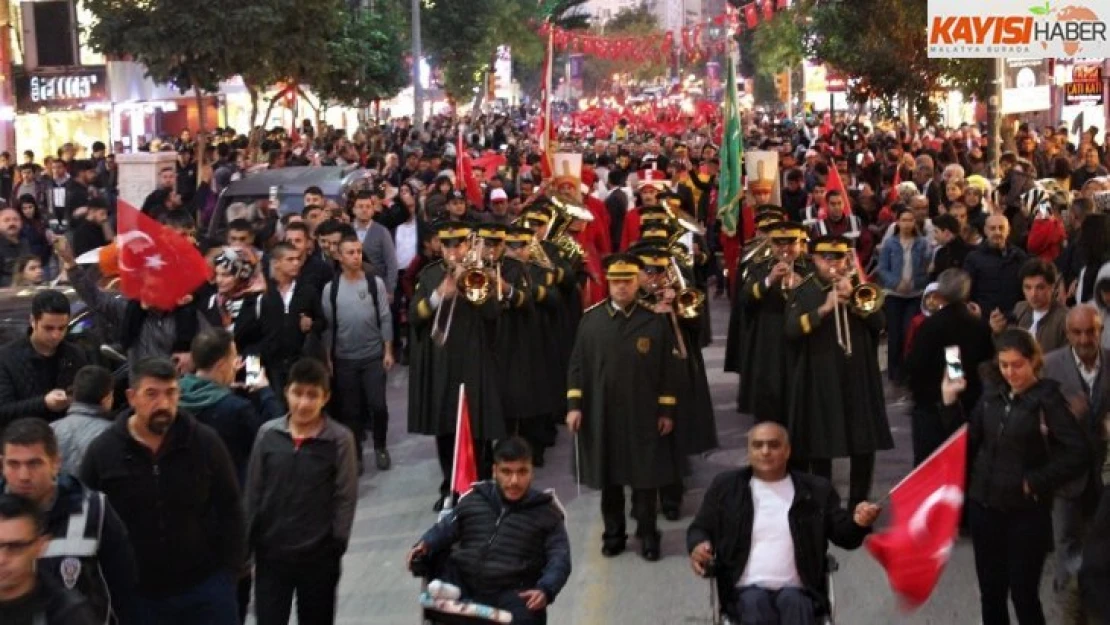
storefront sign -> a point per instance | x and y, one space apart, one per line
1085 87
1026 86
61 90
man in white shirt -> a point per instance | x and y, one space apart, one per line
766 529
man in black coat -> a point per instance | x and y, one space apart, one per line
172 482
292 314
952 324
766 530
994 267
525 569
36 370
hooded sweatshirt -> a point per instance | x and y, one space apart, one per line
235 418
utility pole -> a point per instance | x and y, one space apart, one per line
417 91
994 115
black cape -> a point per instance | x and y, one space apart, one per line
468 357
837 407
622 375
521 348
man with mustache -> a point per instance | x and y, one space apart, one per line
172 482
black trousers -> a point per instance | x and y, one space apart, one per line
360 389
1010 550
928 432
670 496
860 474
613 512
445 451
313 581
761 606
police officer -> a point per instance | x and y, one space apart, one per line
88 550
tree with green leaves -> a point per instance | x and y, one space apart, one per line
365 59
881 44
190 44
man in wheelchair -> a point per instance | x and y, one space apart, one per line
763 531
504 545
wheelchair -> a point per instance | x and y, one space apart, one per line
825 618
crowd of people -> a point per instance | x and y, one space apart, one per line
210 453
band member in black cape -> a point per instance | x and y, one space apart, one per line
622 403
521 348
695 424
837 408
453 342
565 293
766 368
756 252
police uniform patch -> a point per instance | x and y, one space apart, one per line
643 344
70 570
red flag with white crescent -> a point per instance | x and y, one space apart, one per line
157 266
926 507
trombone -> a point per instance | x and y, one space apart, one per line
865 299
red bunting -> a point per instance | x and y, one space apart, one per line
751 16
784 4
768 10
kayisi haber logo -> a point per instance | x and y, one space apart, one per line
1041 31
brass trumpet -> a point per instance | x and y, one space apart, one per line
473 283
687 300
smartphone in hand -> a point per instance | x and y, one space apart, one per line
953 367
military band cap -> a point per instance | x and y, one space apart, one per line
832 245
491 231
767 219
653 216
653 256
453 230
654 233
791 230
538 215
622 266
518 234
767 208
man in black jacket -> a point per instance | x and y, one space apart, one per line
767 530
88 547
994 267
525 568
952 324
951 249
302 490
172 482
292 312
36 370
27 598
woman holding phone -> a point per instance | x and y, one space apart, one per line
1023 444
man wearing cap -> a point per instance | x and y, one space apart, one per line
695 423
765 369
498 207
620 395
756 252
522 346
651 183
453 343
837 407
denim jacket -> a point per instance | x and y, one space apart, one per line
890 263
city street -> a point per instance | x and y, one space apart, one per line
396 507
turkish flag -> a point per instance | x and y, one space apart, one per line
464 176
465 466
893 197
157 266
491 162
751 16
927 504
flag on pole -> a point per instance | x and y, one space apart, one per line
834 183
544 125
730 187
464 175
464 468
926 506
157 266
893 197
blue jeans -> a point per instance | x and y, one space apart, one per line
211 602
761 606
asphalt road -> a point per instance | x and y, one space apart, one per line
395 507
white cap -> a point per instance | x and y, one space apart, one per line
498 194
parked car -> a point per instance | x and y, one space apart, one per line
291 183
